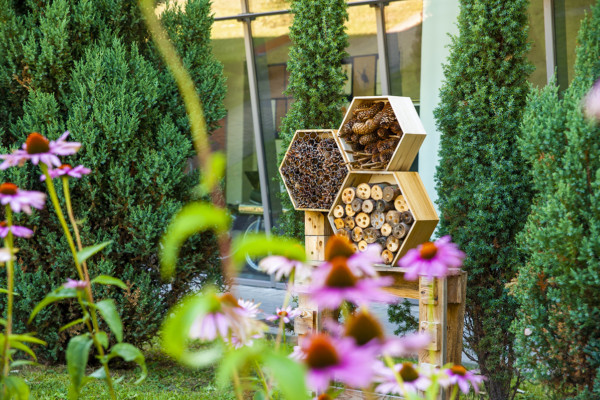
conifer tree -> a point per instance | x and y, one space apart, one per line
484 190
90 67
316 82
558 335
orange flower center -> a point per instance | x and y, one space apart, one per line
282 313
363 328
321 353
36 144
340 275
324 396
458 370
408 373
338 246
65 166
229 299
428 250
3 224
8 188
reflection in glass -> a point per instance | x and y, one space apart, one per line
362 63
267 5
404 24
567 19
225 8
236 137
537 54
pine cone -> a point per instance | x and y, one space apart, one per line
368 138
386 155
387 144
364 128
395 128
347 128
370 112
383 133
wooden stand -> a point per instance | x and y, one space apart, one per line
443 314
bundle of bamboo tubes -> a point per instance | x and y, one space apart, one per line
373 213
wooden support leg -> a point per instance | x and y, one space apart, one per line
316 233
431 320
457 297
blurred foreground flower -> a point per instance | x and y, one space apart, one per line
330 359
16 230
591 102
227 317
458 375
432 260
412 380
74 284
287 314
67 170
360 263
21 199
37 148
5 255
283 267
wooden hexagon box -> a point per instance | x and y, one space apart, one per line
389 208
313 169
381 133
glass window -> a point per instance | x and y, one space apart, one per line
236 137
226 8
267 5
537 54
567 19
404 24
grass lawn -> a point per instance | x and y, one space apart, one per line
166 381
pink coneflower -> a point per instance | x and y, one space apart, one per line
73 284
250 308
327 359
591 102
334 282
362 263
283 267
21 199
227 318
432 260
16 230
5 255
37 148
458 375
364 329
287 314
406 346
66 170
412 380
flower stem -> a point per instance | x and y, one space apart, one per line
454 392
286 300
63 222
263 380
237 385
390 363
10 287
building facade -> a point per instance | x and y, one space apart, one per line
397 47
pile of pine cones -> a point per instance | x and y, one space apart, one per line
313 170
373 134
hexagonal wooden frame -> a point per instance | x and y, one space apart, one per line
419 203
412 128
324 134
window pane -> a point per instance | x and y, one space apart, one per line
225 8
537 54
267 5
361 66
404 24
236 137
567 19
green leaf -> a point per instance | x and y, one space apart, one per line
19 363
6 292
26 338
89 251
217 163
130 353
102 338
54 296
260 245
109 312
73 323
193 218
17 388
234 361
100 373
78 351
109 280
176 328
290 375
24 348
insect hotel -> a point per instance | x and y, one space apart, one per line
361 188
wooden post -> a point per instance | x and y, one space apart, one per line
316 233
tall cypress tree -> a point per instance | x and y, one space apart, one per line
90 67
316 82
558 335
484 190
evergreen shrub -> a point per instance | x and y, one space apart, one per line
482 180
319 40
90 67
558 289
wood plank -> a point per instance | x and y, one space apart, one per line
401 287
406 152
416 196
430 320
315 223
456 321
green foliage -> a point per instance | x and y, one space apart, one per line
559 287
484 192
316 80
400 315
90 67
